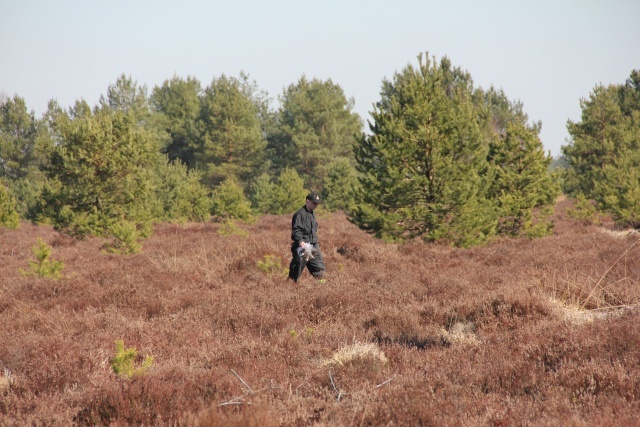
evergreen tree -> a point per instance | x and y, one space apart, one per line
497 112
23 143
315 126
101 172
177 103
18 133
125 95
604 155
288 193
341 186
180 192
424 165
262 194
231 141
525 193
285 195
229 201
597 140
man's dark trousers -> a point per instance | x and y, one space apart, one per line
315 264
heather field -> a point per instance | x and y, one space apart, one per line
541 332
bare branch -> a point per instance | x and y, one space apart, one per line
245 384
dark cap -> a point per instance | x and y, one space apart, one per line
314 198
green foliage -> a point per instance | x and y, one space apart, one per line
230 134
584 210
125 239
286 195
521 186
341 186
314 126
604 154
18 133
445 161
272 264
262 192
9 217
619 190
101 172
23 145
44 266
177 103
423 165
230 228
126 96
497 112
181 194
308 332
229 201
123 363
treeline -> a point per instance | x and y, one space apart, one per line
443 160
180 153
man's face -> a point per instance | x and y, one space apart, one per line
311 205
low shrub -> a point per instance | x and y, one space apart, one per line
44 266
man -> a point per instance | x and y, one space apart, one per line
304 229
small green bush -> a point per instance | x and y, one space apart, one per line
123 363
125 239
9 217
44 266
230 228
229 201
272 264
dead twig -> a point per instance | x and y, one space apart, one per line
387 381
338 392
239 400
245 384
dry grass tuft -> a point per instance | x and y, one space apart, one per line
358 351
6 379
460 333
575 313
619 233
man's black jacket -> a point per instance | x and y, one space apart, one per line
304 227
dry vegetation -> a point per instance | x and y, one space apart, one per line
520 332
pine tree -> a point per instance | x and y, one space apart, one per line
524 191
177 104
604 155
315 127
597 141
23 143
341 186
230 202
262 194
180 192
288 193
423 166
101 172
231 141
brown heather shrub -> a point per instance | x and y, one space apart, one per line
519 332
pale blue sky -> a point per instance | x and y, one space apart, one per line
547 54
